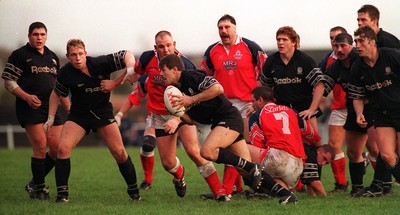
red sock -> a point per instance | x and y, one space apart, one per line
372 161
230 175
339 170
148 165
215 184
299 185
179 172
239 184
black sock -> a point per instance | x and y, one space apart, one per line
382 173
270 184
37 167
62 170
395 170
128 171
49 164
357 171
226 156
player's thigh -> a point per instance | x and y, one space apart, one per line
71 134
356 142
53 140
37 138
280 164
240 148
386 141
219 137
167 150
112 137
256 153
336 137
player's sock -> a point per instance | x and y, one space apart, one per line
395 170
62 171
38 170
210 174
147 157
128 171
239 184
177 170
299 186
372 160
229 179
357 171
147 160
228 157
49 164
381 172
339 169
270 184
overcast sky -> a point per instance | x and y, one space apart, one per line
110 25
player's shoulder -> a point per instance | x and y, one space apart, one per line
146 57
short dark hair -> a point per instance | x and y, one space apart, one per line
266 93
343 38
329 149
227 17
171 61
372 11
338 28
366 32
290 32
162 34
35 25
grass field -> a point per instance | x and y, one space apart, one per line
96 187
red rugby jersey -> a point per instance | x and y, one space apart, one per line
281 129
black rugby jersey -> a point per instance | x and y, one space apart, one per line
386 39
337 73
293 83
192 83
35 73
86 94
379 84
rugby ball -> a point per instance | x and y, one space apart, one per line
169 100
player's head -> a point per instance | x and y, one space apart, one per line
227 29
365 39
171 67
368 15
164 44
261 95
37 35
76 53
287 39
325 154
335 31
342 45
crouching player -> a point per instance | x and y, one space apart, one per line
274 135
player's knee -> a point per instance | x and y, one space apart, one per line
120 155
149 143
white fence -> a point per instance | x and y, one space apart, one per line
10 130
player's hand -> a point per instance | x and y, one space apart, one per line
118 118
361 121
306 114
249 111
33 101
130 76
181 101
107 85
171 125
48 124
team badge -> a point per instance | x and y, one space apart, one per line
238 55
388 71
299 70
